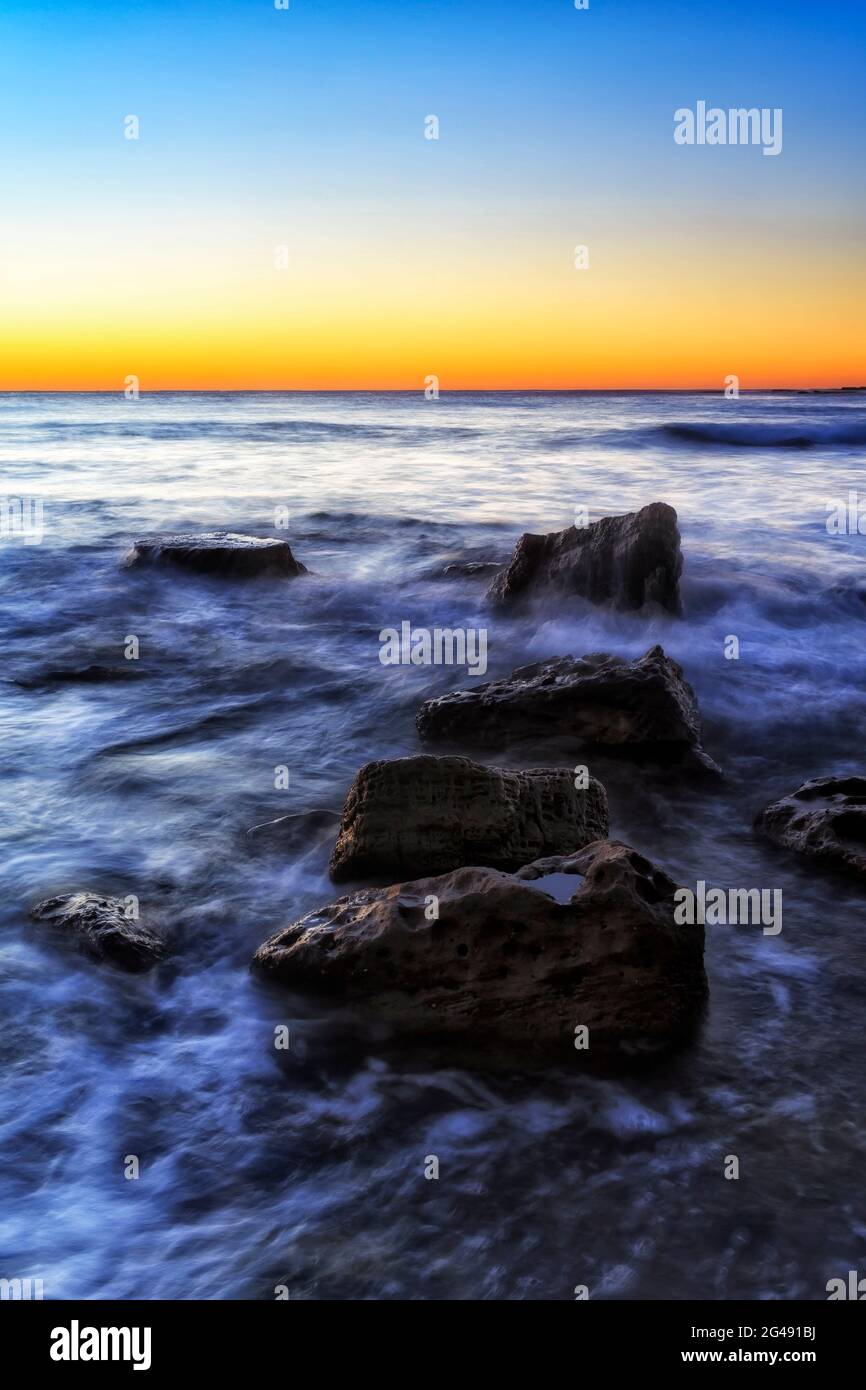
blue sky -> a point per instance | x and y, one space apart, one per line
553 121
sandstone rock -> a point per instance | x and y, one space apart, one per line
644 707
101 929
426 815
625 562
218 552
588 939
824 819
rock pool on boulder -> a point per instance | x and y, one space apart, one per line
101 928
643 707
481 954
222 553
626 562
404 817
824 819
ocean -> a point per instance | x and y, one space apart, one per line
304 1169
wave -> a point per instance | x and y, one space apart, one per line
761 435
255 431
756 434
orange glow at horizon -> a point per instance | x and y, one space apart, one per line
659 315
404 257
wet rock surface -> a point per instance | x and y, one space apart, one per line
405 817
511 956
645 707
470 569
824 819
626 562
224 553
100 928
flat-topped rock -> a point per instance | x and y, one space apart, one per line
644 707
101 928
584 940
824 819
405 817
625 562
224 553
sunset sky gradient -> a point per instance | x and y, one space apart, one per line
410 257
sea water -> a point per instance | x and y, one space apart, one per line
304 1167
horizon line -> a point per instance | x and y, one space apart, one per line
414 391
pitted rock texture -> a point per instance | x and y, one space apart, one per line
643 706
625 562
222 553
823 819
425 815
102 930
511 956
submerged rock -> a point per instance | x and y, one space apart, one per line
470 569
625 562
296 832
516 956
94 674
824 819
218 552
426 815
644 707
101 929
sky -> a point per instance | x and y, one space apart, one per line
282 222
